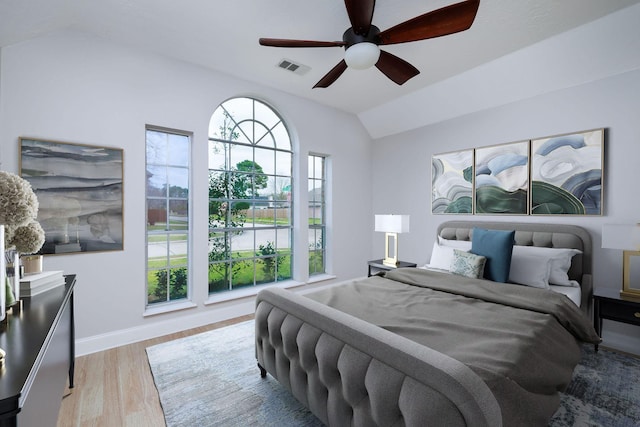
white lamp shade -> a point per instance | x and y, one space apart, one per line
621 236
392 223
362 55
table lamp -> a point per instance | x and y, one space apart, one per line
391 225
627 238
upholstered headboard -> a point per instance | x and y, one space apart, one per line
543 235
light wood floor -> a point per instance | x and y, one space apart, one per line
114 388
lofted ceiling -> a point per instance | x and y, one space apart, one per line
223 36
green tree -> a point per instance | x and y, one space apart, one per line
272 262
177 284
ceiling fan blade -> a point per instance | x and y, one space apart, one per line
332 75
441 22
395 68
297 43
360 15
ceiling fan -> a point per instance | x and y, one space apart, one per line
361 41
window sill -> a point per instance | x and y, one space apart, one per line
253 291
168 308
320 278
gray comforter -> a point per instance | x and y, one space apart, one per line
523 342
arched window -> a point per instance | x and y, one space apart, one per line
250 197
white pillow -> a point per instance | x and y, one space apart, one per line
441 257
530 269
464 245
560 262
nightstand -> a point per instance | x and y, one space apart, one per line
607 304
377 265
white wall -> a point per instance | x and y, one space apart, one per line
72 87
612 103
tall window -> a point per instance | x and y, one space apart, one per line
250 198
317 206
167 198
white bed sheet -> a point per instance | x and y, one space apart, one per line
573 293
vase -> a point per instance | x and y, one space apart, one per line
32 264
12 258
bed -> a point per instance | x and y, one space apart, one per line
421 347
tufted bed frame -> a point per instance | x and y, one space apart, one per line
350 372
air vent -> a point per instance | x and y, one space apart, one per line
289 65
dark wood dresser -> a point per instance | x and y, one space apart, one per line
40 344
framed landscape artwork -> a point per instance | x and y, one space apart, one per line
452 182
502 179
79 190
566 174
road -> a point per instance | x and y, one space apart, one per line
242 242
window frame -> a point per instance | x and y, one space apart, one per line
269 254
186 301
322 227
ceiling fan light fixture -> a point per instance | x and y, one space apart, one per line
362 55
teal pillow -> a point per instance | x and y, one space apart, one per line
467 264
497 247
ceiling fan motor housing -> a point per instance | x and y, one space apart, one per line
351 38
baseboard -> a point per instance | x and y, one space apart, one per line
619 336
103 342
240 307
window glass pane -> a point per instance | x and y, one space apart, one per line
265 241
219 245
177 283
246 128
281 136
266 160
156 214
283 189
219 187
283 160
266 269
156 181
157 245
178 182
156 286
241 157
221 125
315 215
178 150
239 108
242 244
156 148
219 276
283 214
243 272
263 137
218 155
284 241
178 215
265 115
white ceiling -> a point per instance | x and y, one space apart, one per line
224 36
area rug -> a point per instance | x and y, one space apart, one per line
211 379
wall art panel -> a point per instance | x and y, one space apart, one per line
566 174
79 189
502 179
452 182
